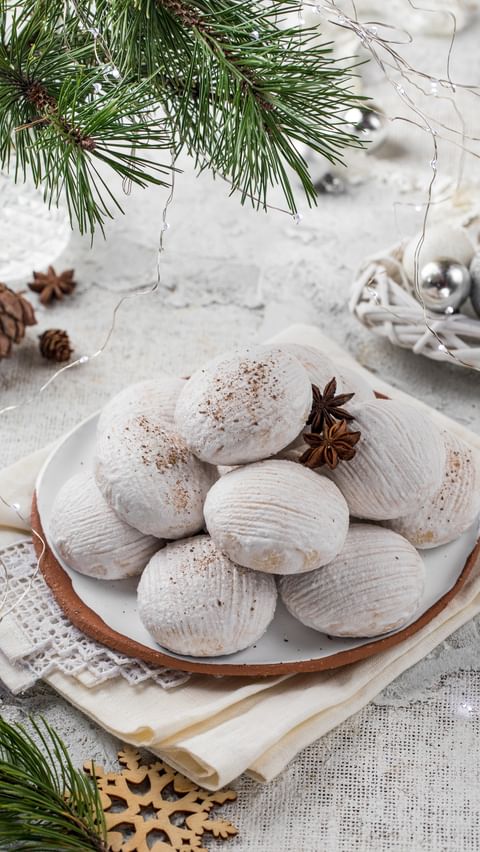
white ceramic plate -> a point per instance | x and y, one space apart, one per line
286 640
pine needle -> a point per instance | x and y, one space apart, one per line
45 803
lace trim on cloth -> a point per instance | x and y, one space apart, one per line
38 639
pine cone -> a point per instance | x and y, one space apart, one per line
55 345
16 313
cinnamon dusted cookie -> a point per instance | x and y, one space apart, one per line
244 406
194 600
277 516
454 506
90 536
155 398
373 586
150 478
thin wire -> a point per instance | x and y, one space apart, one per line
370 38
83 359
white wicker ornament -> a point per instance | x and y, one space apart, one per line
383 299
444 285
194 600
475 288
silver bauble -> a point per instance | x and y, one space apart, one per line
325 179
330 184
367 123
444 285
475 276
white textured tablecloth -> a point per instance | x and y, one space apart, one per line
216 729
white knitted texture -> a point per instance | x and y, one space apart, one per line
38 636
402 775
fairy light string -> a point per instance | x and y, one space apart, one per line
372 35
147 291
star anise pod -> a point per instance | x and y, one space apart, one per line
52 286
336 444
327 406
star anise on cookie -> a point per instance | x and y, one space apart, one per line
336 444
52 286
327 407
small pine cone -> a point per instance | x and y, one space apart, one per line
55 345
16 313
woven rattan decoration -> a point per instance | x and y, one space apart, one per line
151 808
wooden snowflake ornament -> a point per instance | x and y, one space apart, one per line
152 808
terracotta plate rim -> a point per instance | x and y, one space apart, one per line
93 626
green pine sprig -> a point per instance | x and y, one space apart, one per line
45 803
60 119
232 83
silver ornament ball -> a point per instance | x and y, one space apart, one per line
444 285
330 184
368 123
475 276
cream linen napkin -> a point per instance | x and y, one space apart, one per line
215 729
16 488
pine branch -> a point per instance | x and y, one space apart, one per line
47 111
45 803
237 90
219 42
58 116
